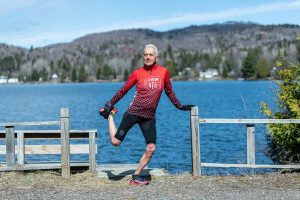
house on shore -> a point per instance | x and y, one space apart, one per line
6 80
209 74
3 79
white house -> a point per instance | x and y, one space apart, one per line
3 79
54 78
13 80
209 74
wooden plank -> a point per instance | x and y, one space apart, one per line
56 149
247 121
20 148
92 151
195 142
40 166
250 166
10 146
250 144
51 134
45 123
65 143
117 166
50 149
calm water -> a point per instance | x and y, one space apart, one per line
216 99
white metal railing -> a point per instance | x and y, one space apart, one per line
195 141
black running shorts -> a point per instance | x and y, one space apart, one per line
147 126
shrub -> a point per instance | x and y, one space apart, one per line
284 139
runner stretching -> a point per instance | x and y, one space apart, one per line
150 80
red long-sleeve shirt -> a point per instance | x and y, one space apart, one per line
150 82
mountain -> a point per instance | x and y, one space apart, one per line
112 55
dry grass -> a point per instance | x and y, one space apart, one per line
80 181
50 185
89 180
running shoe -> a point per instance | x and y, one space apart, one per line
137 180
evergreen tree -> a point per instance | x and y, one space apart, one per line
107 71
114 74
74 75
215 61
18 59
228 67
164 55
171 66
44 74
65 66
186 59
134 62
34 75
82 76
125 75
248 68
98 73
7 65
170 52
51 66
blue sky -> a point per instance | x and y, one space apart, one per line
42 22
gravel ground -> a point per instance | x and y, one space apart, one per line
50 185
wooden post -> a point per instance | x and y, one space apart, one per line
21 148
195 142
250 144
10 146
65 143
92 152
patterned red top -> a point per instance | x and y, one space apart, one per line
150 83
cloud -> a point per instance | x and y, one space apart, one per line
218 15
41 39
47 38
16 28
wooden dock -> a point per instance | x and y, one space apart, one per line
119 171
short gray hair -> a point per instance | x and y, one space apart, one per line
152 46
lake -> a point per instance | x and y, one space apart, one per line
216 99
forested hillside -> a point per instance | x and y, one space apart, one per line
234 50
